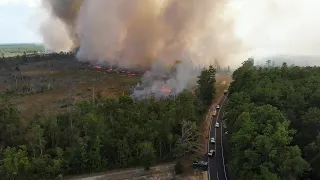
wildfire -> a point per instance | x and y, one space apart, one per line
165 90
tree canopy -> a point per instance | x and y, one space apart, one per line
273 120
206 81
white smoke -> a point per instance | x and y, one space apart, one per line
160 82
57 40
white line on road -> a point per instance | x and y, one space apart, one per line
217 175
208 148
224 167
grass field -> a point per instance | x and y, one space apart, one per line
85 85
10 50
43 89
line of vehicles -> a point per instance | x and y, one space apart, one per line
212 152
204 165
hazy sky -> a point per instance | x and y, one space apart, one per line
279 26
266 26
16 21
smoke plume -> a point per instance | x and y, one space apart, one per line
136 33
64 14
147 34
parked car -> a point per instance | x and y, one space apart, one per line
212 140
211 153
217 125
200 164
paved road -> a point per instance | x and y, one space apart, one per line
217 169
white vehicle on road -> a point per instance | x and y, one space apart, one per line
211 153
218 106
217 125
212 140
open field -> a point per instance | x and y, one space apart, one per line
10 50
52 86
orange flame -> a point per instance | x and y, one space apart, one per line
165 90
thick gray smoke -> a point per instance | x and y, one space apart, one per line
138 33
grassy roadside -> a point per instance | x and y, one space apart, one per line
221 84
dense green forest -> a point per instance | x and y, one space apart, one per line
273 116
102 134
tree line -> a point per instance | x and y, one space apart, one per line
102 134
31 57
273 119
8 49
